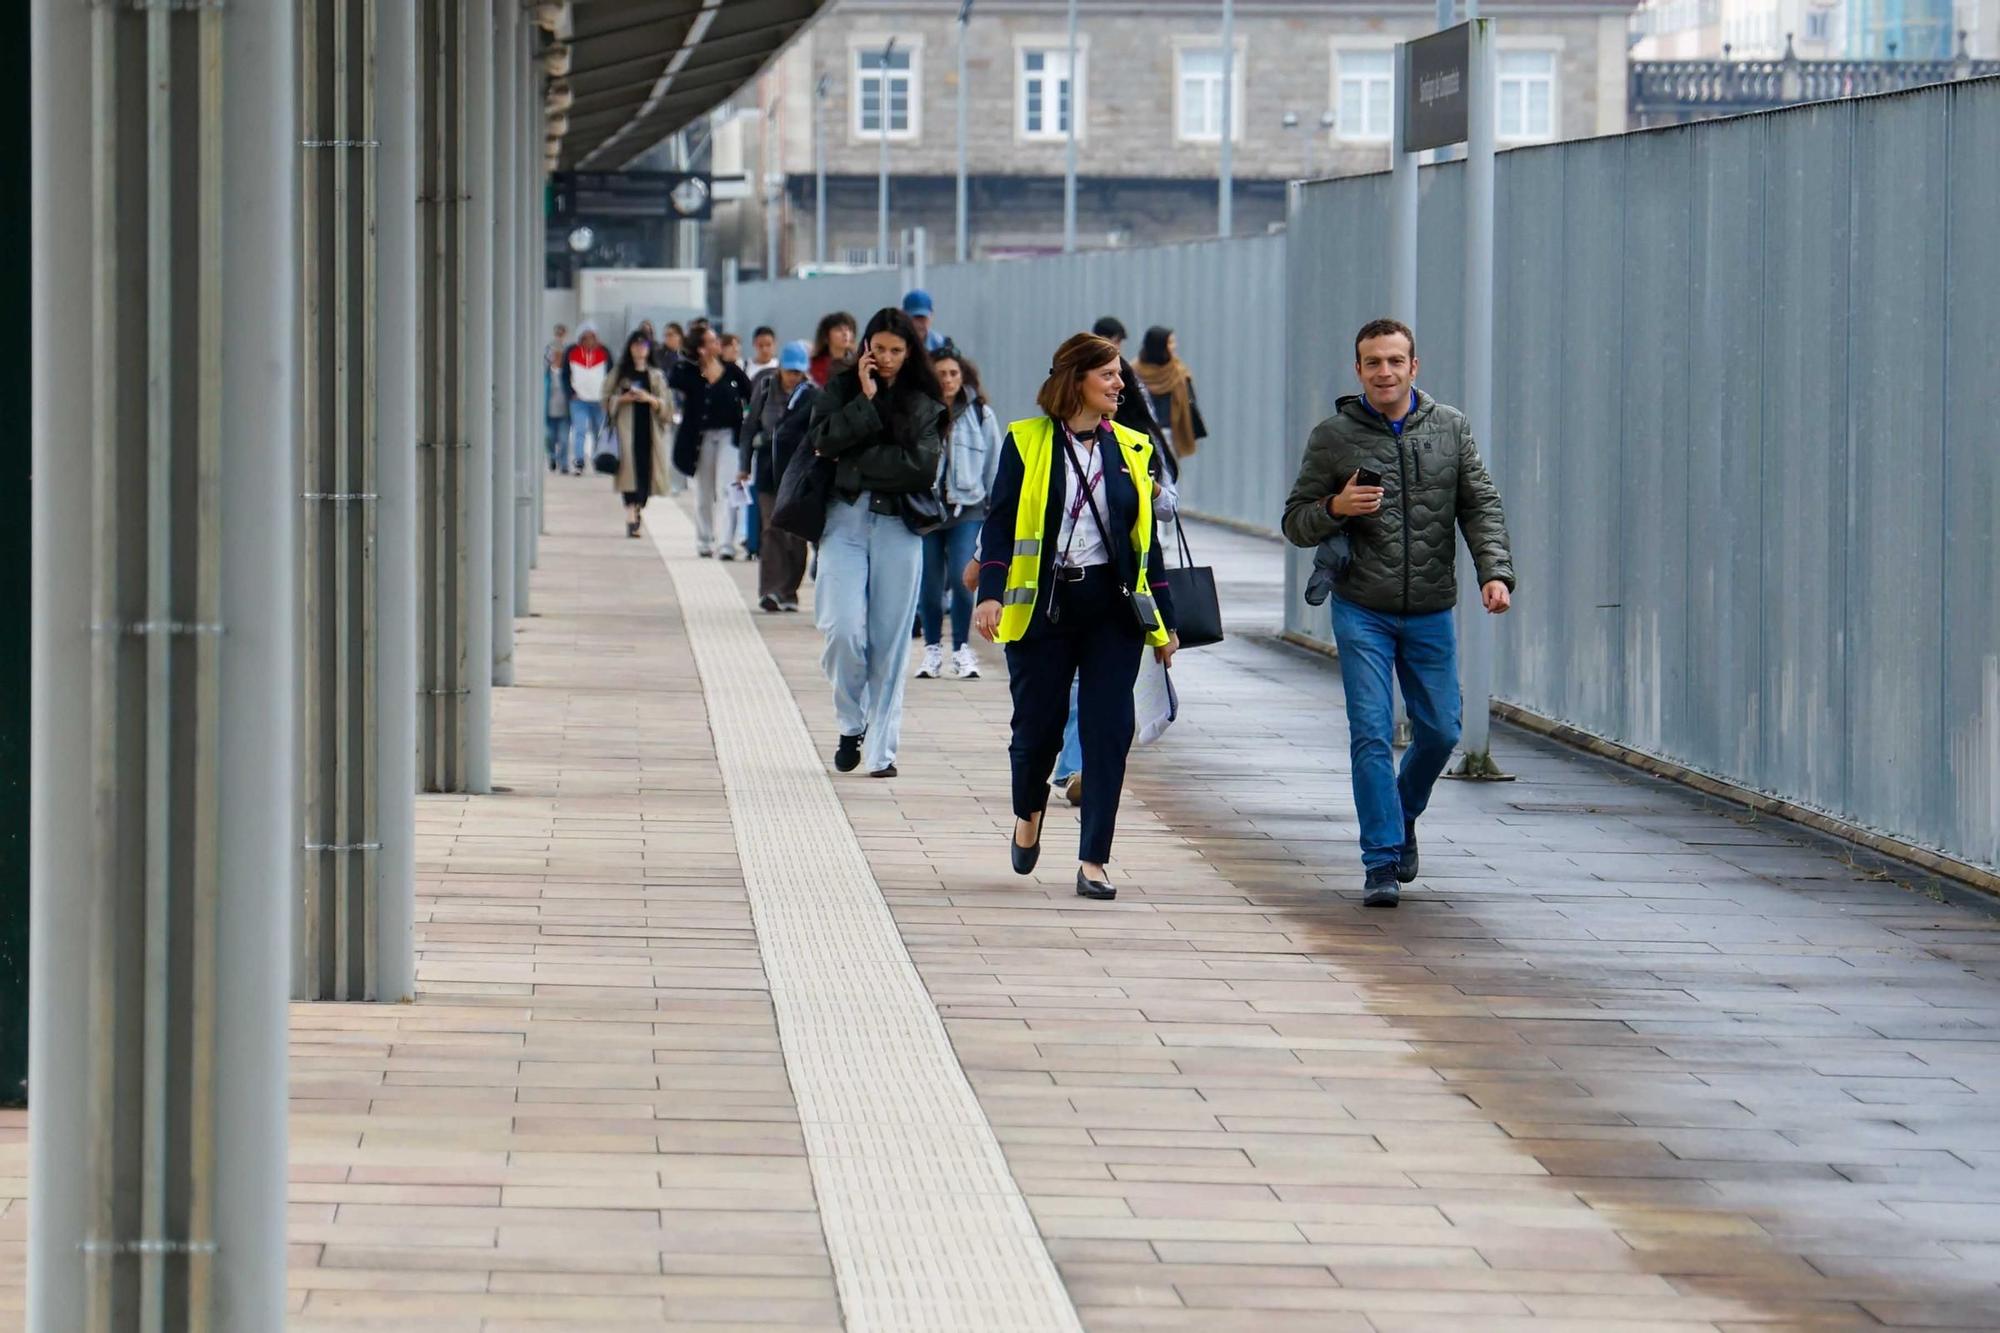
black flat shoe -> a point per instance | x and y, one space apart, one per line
886 772
1025 857
632 528
847 757
1406 857
1101 889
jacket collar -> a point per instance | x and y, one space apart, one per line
1357 407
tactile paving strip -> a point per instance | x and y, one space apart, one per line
927 1230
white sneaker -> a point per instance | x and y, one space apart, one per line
963 664
933 664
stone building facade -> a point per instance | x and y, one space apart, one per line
1312 99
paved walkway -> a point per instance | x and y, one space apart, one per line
1624 1060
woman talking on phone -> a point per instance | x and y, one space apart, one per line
1070 585
882 423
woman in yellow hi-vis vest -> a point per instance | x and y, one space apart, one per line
1071 586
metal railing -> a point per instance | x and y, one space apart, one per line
1663 92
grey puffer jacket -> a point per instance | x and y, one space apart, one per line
1405 554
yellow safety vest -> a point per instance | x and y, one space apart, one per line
1034 439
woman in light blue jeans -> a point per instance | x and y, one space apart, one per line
882 424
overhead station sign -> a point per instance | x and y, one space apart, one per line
629 194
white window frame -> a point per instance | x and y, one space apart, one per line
1051 44
1360 44
1182 47
1551 47
864 43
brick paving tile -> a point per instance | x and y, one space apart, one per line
1625 1059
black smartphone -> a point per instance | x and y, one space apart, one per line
1367 476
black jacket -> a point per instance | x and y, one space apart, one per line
1117 505
848 427
702 402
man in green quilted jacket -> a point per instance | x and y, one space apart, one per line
1397 475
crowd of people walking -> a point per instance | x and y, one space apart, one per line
870 459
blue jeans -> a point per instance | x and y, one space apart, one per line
1422 653
586 428
557 439
866 594
946 552
1072 751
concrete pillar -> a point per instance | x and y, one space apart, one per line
164 658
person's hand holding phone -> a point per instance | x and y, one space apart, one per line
1361 496
865 368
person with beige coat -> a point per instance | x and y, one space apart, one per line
635 402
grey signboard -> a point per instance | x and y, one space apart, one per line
1435 95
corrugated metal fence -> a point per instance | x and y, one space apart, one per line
1747 423
1225 302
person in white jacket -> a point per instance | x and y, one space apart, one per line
971 461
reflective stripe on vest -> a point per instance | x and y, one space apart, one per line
1034 440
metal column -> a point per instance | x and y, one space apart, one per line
396 461
530 425
339 928
454 401
964 21
165 583
1225 194
502 399
1475 671
476 391
1072 114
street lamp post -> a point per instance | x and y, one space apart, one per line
1069 161
964 19
1226 186
882 172
819 172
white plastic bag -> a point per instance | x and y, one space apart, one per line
739 511
1154 701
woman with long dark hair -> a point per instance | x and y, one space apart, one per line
714 392
882 423
971 458
833 347
1169 391
1071 584
635 399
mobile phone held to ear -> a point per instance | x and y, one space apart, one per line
1367 476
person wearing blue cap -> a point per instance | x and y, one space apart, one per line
781 403
917 304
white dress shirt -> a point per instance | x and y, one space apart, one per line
1078 535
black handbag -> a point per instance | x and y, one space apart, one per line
803 492
1197 609
924 512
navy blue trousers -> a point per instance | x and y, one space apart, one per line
1095 643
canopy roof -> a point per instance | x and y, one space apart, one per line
641 70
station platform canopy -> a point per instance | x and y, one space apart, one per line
629 73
